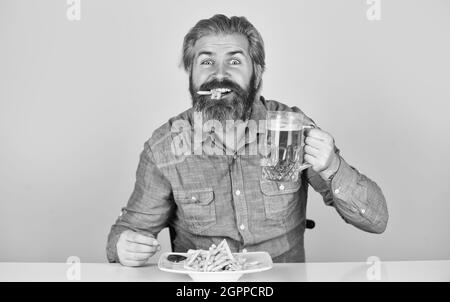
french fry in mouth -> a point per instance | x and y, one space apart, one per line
203 92
216 93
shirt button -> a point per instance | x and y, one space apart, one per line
235 156
337 191
242 227
238 192
363 211
244 250
281 187
194 198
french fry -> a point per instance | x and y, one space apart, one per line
221 265
208 256
193 257
202 92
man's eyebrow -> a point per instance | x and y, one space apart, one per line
205 52
232 53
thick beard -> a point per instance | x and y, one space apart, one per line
238 108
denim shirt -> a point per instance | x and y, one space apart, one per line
205 198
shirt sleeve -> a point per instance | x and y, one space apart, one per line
149 206
357 199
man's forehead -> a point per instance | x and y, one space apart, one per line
221 43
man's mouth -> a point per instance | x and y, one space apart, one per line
216 93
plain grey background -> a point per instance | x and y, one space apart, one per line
78 99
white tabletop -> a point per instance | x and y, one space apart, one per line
291 272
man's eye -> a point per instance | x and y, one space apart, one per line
235 62
207 62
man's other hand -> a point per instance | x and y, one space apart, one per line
134 249
320 152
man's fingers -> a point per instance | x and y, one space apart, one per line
141 239
319 134
310 159
132 262
135 249
314 142
312 151
140 248
314 132
137 256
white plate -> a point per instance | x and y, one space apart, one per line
263 258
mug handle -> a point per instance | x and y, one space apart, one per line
305 166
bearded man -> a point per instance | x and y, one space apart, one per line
205 198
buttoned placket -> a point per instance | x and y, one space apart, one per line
240 204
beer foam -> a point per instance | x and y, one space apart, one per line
284 125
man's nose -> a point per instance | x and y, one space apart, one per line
221 72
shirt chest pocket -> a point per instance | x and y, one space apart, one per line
278 197
196 208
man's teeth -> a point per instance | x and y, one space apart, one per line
215 93
221 90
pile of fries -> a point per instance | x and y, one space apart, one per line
217 258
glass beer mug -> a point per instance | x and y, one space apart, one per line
283 159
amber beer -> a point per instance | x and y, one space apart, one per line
285 141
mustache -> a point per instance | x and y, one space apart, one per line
225 83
